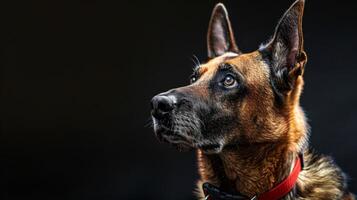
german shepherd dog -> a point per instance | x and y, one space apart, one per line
241 112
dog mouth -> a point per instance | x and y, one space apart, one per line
178 141
183 137
179 135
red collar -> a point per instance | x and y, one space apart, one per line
278 192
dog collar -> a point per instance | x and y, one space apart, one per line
282 189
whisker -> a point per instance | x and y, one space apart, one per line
196 61
149 125
166 128
148 122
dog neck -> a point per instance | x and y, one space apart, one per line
249 170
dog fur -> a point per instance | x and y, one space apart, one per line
242 114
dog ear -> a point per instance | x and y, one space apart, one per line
285 51
220 37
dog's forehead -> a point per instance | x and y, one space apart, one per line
243 62
250 65
212 64
218 60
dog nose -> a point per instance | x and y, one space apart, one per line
161 105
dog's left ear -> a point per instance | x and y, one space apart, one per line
285 51
220 36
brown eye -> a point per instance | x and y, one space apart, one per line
229 81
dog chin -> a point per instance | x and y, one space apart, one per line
178 141
184 140
181 143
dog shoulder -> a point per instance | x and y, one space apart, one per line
198 192
322 179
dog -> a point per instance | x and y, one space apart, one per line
241 112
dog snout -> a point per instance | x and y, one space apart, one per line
161 106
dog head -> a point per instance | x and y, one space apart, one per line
238 98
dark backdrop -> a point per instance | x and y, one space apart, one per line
77 78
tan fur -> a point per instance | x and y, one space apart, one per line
256 172
256 168
267 128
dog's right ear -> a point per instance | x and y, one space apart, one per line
220 37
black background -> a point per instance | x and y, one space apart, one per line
77 78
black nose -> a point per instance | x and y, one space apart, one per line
161 106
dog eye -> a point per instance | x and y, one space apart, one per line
193 79
229 81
